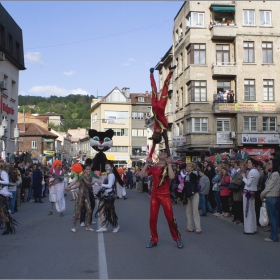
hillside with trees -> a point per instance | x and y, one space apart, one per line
74 108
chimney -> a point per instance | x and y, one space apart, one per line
146 93
126 92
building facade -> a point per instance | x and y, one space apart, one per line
11 61
228 49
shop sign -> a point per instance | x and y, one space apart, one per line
263 152
122 157
48 153
188 159
256 107
224 138
179 139
260 138
48 140
6 108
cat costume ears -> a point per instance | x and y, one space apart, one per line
93 132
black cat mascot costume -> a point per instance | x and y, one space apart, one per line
102 142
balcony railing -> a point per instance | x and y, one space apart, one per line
224 69
223 31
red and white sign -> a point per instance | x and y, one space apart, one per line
6 108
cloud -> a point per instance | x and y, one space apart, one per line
70 73
129 61
47 91
34 57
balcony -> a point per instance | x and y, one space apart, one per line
224 69
223 32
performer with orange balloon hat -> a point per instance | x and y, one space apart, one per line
83 181
56 188
121 191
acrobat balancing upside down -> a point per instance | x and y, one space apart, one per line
159 101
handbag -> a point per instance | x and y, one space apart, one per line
215 187
263 220
234 187
52 197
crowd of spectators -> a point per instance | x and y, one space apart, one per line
226 96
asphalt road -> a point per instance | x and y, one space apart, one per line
44 247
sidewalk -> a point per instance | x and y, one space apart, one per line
229 220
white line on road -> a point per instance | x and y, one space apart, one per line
103 272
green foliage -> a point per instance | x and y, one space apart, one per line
74 108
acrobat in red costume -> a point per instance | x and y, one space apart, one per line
159 101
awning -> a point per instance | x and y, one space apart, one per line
223 9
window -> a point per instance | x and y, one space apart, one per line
197 91
223 125
181 65
248 17
11 44
250 124
2 36
94 118
196 54
17 50
49 146
196 19
141 99
134 132
116 115
120 131
249 89
223 86
140 132
134 115
265 18
120 149
268 90
269 124
267 56
33 144
200 124
222 54
249 52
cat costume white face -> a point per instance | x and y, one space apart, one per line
101 141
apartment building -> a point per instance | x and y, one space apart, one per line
232 48
125 113
11 62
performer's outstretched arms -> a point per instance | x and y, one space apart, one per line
143 172
165 137
171 173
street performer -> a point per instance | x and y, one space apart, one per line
159 101
160 195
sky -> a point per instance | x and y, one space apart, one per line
91 47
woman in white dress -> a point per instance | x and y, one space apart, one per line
56 188
251 186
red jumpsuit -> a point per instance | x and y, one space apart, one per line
158 106
161 196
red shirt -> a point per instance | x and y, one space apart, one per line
156 172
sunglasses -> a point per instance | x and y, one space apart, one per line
162 151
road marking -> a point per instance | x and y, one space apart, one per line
103 271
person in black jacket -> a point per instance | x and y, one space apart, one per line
37 184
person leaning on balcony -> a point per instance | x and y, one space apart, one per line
220 97
215 97
231 96
225 97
